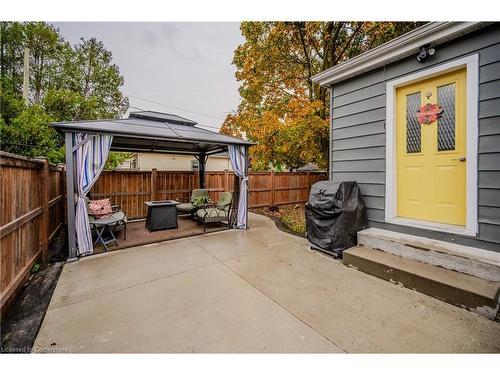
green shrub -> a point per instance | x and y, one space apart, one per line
35 268
295 220
201 201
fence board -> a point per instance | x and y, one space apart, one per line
131 189
25 212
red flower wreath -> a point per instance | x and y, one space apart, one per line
429 113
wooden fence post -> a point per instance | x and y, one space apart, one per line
272 188
154 184
226 180
44 195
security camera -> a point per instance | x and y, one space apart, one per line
425 51
422 55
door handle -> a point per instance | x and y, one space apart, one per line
459 159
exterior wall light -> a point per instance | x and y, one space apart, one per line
425 52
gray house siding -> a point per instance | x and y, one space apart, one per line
358 134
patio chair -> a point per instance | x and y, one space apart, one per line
188 208
219 212
116 222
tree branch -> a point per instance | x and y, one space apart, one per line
300 28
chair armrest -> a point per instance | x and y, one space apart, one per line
116 208
203 206
207 205
226 209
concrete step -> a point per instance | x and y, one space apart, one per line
472 261
473 293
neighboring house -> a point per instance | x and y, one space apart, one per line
309 167
174 162
129 163
438 179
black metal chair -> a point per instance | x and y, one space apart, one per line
219 212
189 208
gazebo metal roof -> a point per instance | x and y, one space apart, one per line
171 118
149 131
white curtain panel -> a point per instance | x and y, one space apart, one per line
239 163
90 158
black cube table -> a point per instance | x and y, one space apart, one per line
161 215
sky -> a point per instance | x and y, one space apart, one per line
172 65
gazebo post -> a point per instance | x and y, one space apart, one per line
70 197
248 181
202 159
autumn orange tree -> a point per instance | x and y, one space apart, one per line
281 109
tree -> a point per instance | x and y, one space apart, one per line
47 62
281 109
30 135
92 74
67 83
48 52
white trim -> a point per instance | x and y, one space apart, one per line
471 63
330 138
429 225
406 45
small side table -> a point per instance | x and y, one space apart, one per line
161 215
110 224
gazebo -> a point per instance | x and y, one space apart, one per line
88 144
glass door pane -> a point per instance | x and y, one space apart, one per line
446 123
413 130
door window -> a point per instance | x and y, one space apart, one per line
446 123
413 135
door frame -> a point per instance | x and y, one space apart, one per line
471 63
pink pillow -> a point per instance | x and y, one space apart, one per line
101 209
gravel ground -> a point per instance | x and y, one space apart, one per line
22 322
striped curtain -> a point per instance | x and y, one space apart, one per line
90 158
239 163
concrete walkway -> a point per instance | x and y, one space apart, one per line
256 291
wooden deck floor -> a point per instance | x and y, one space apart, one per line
137 234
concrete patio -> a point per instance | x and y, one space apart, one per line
259 290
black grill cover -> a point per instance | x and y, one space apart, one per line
334 214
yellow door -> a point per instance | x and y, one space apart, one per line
430 161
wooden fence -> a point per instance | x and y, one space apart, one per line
131 189
32 205
31 214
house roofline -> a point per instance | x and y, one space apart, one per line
432 33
